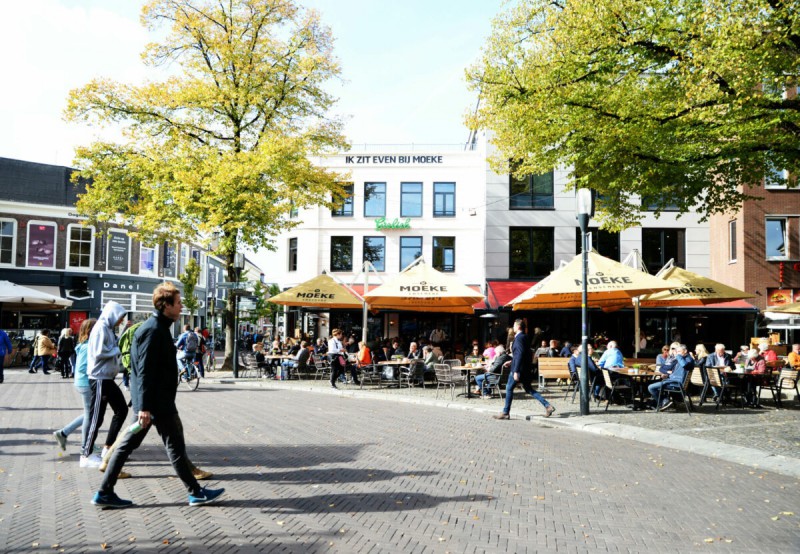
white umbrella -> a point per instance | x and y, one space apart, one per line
16 296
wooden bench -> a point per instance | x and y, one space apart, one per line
552 368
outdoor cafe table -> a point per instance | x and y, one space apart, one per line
393 364
639 381
749 379
468 370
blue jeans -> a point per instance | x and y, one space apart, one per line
82 420
656 387
526 385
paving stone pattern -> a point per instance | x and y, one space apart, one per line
310 472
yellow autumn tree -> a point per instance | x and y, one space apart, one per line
224 142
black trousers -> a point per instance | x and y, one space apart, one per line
337 368
104 392
170 429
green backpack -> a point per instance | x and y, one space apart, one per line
125 343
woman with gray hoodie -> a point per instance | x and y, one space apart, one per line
103 364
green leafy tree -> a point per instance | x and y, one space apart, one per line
225 142
188 278
650 102
273 309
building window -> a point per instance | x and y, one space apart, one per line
653 203
374 199
346 209
444 199
410 250
775 178
531 252
8 241
184 259
341 253
80 247
293 254
662 245
41 244
532 192
148 264
170 261
444 253
410 199
732 241
375 252
292 210
776 241
604 242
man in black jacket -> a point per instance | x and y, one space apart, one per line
153 388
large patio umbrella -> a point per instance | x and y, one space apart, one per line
17 297
692 290
610 285
320 292
420 287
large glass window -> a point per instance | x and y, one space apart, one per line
776 178
8 242
604 242
374 199
531 252
444 199
410 250
662 245
341 253
375 252
293 254
346 209
732 241
147 261
410 199
651 203
532 192
776 240
444 253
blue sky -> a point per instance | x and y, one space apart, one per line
403 67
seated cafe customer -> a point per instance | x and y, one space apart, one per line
662 358
757 368
793 359
483 380
612 357
683 364
428 357
719 359
299 362
574 365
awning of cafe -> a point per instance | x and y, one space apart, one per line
690 289
499 293
421 288
323 291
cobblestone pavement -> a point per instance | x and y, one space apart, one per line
311 472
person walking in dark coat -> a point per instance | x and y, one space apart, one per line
521 373
153 389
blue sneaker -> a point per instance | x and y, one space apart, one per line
110 501
205 496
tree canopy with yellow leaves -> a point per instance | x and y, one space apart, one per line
223 142
652 103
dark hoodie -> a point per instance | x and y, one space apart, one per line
154 369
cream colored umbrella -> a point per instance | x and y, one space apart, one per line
609 284
421 288
320 292
690 289
15 297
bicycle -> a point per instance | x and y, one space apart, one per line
209 357
22 356
189 373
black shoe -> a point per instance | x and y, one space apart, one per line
665 406
333 386
45 372
31 371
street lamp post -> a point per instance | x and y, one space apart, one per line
238 265
585 210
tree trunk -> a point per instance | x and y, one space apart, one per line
230 314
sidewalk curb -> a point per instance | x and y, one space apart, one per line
751 457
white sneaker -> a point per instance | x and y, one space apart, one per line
104 452
92 461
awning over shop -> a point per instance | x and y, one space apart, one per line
500 293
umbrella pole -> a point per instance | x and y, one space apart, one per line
636 326
364 307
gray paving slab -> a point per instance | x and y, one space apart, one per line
350 472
